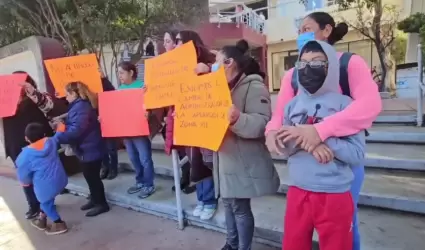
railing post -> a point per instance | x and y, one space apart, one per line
176 169
419 118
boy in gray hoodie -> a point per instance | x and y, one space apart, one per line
319 193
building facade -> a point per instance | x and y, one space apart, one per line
282 30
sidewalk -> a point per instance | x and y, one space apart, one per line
118 229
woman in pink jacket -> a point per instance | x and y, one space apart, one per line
356 117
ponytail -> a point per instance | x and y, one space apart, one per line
83 92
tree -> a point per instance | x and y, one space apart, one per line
378 22
414 24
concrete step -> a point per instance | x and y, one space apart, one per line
389 189
381 230
378 155
397 134
399 118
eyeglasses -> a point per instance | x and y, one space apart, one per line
313 64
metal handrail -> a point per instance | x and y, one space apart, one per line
248 16
421 89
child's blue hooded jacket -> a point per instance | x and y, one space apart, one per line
39 164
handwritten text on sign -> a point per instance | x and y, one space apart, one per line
83 68
201 111
165 73
10 93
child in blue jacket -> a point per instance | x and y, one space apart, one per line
39 165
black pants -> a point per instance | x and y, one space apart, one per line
91 172
33 203
185 178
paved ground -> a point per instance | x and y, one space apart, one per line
119 229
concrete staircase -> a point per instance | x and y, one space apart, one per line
394 185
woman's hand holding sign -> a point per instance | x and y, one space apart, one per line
234 114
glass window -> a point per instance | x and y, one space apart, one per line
362 48
281 63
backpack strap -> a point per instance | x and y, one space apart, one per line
294 82
344 60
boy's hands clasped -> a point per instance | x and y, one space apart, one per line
305 136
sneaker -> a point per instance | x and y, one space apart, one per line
57 228
198 210
87 206
99 209
189 189
112 174
40 223
104 173
146 192
208 212
31 214
135 189
228 247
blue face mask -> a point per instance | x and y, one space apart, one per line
303 38
215 67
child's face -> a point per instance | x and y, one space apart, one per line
312 70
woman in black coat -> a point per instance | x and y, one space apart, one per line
14 138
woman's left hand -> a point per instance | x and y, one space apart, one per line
202 68
233 114
305 136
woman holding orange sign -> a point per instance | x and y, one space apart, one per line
244 168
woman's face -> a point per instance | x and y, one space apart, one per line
126 77
169 43
310 25
70 96
179 41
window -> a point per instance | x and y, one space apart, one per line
281 63
313 4
330 3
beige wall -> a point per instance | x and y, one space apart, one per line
281 56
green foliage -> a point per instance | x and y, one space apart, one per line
398 49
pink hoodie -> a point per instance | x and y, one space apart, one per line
357 116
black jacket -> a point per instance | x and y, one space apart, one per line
14 127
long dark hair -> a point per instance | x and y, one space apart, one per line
29 79
204 55
246 64
173 35
338 30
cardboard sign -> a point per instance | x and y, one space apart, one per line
121 113
10 93
201 113
165 73
83 68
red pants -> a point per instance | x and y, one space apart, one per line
330 214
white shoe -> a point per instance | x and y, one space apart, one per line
207 213
198 210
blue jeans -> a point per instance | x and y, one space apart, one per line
49 209
110 160
205 192
140 152
356 187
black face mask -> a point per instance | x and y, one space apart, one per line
312 79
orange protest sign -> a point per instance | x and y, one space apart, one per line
121 113
201 111
165 73
10 93
83 68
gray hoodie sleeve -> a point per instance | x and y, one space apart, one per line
252 123
350 149
290 147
